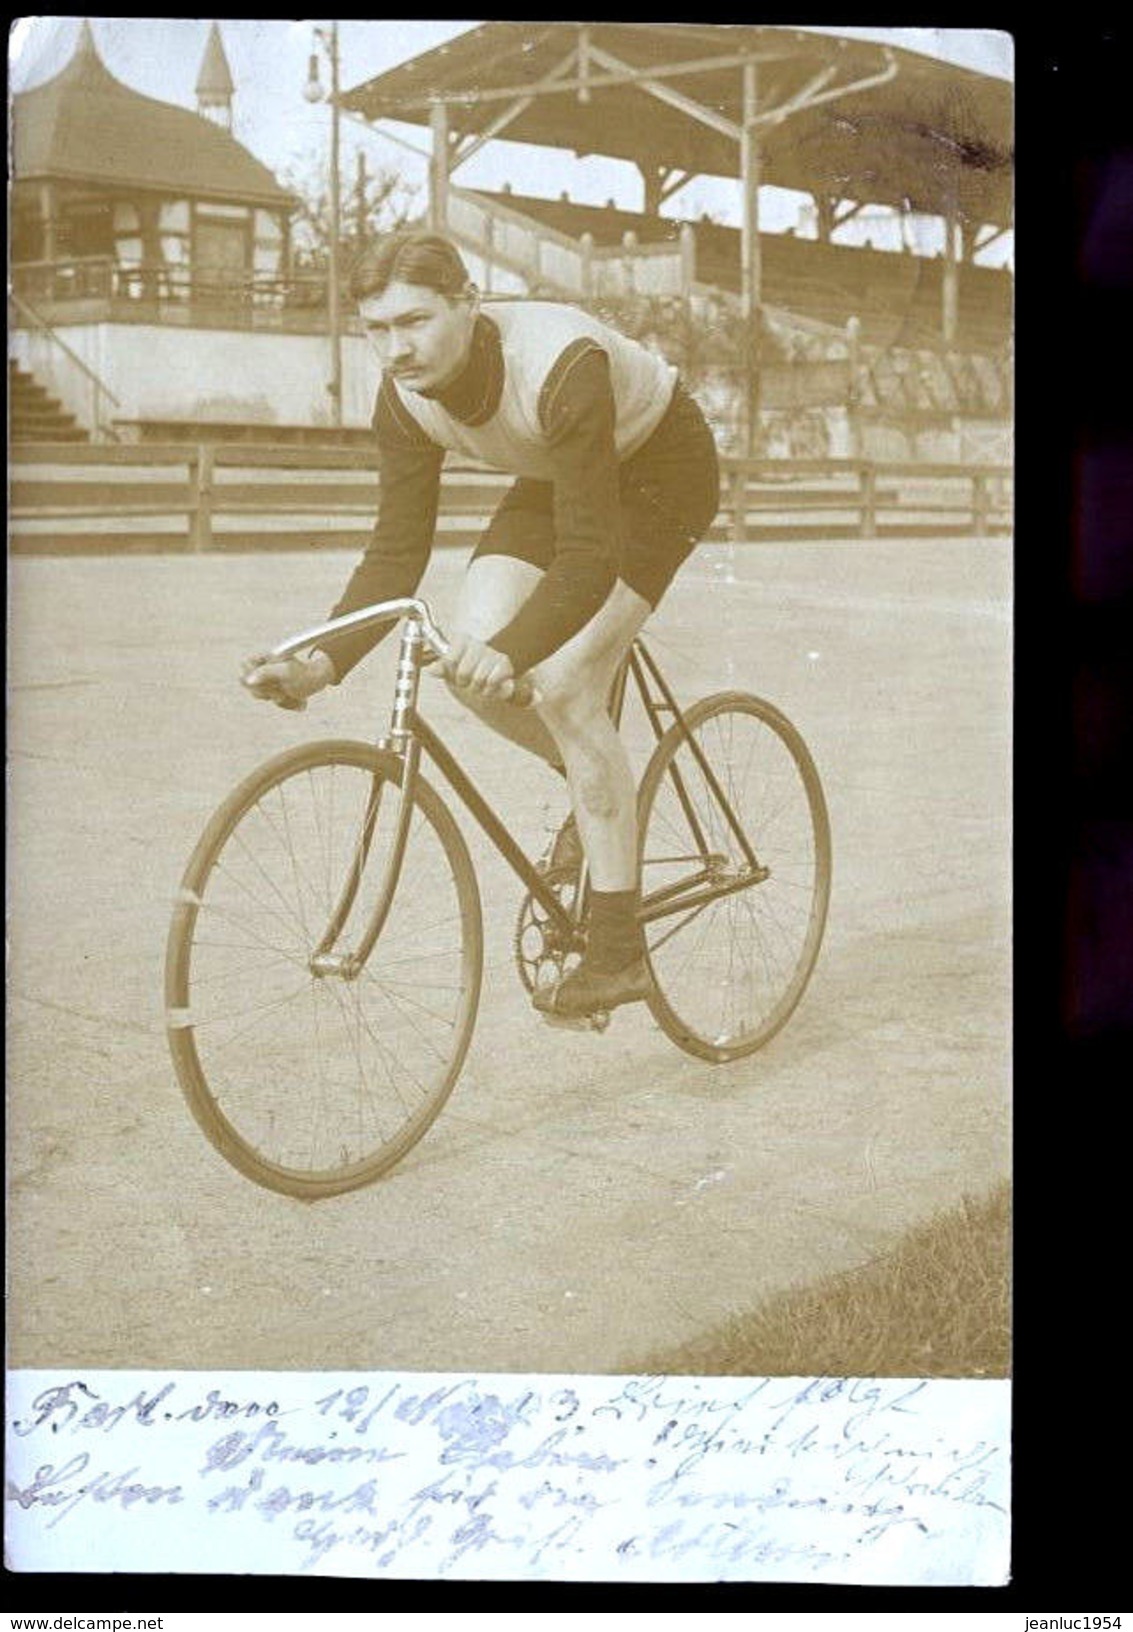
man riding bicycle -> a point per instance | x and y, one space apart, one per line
616 481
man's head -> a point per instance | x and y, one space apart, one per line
419 308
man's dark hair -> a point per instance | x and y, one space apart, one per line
409 256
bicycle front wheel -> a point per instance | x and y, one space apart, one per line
739 928
308 1079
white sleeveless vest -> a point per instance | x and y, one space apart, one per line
534 335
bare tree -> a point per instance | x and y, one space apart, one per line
377 201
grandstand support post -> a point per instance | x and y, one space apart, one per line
950 282
653 180
629 282
586 244
824 211
751 292
688 262
853 386
439 168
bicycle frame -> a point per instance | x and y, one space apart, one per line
410 734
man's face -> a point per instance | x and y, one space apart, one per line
421 337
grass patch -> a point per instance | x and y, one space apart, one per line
935 1305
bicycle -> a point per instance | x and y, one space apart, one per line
325 956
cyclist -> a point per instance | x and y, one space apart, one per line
616 479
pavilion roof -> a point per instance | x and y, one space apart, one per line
85 125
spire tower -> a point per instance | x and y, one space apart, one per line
215 87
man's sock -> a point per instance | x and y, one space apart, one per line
614 938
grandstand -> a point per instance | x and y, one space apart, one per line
896 297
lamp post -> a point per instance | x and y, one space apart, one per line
313 91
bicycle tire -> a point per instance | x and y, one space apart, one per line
287 1098
728 975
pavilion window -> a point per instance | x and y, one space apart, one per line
222 238
85 230
174 224
27 235
267 254
128 246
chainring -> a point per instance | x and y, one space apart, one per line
542 954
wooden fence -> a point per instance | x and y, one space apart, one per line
776 498
178 496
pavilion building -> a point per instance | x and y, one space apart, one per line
151 265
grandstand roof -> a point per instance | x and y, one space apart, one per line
85 125
847 119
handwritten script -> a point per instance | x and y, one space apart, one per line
508 1477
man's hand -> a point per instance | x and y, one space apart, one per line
479 669
289 681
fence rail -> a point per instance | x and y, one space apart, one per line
229 496
866 497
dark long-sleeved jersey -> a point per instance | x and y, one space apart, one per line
547 393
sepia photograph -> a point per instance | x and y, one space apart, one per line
510 727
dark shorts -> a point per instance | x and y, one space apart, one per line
670 492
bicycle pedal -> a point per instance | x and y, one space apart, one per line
598 1021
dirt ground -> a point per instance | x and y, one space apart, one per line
582 1200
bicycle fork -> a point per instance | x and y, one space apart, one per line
325 960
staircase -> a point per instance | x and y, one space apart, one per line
36 416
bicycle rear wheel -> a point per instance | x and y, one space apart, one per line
735 948
307 1081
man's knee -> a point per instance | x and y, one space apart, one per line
570 710
600 790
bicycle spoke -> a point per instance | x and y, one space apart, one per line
296 908
385 1052
258 1012
356 1024
322 1081
727 973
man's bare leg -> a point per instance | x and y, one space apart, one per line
494 588
571 725
573 689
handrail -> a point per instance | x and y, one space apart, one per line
67 260
668 247
41 322
489 206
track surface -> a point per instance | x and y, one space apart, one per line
582 1200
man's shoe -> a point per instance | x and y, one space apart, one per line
586 991
563 856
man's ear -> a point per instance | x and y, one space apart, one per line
472 295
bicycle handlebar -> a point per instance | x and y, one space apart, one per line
388 612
